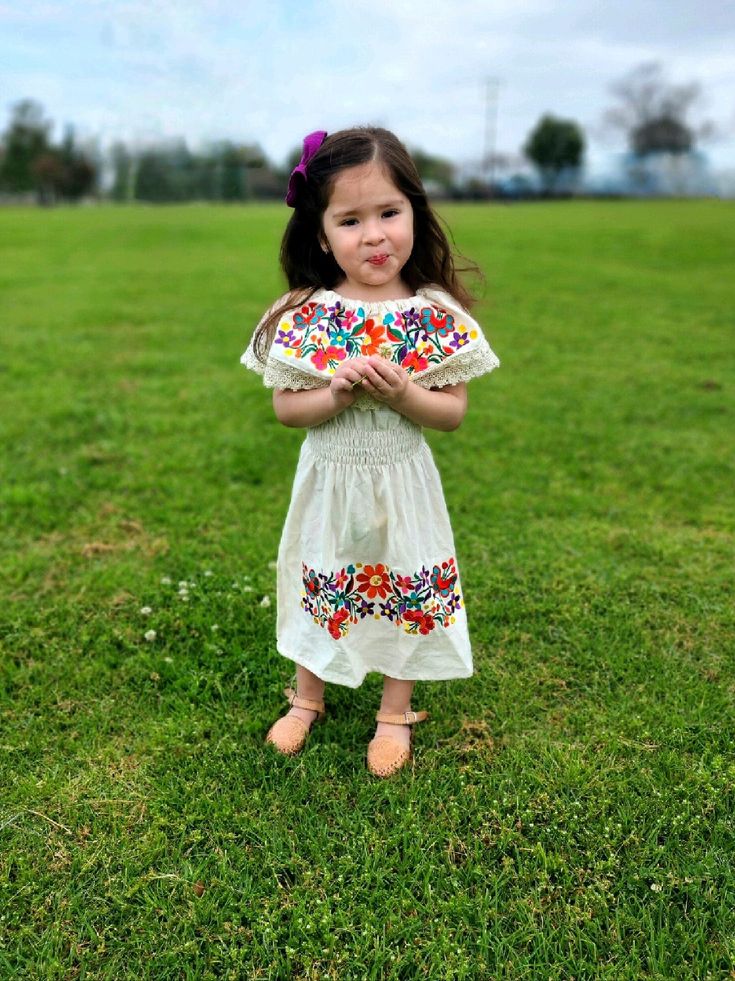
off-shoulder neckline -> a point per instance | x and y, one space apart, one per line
421 296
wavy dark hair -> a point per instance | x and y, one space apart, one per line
308 268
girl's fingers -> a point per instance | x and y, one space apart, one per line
385 378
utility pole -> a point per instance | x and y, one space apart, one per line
492 86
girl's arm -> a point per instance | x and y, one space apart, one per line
312 406
442 408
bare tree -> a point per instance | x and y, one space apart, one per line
653 112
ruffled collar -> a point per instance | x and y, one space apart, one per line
420 332
333 297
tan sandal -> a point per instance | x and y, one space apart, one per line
385 755
289 733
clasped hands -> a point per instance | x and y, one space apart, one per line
385 381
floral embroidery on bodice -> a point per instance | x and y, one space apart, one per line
418 333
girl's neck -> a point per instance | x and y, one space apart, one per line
374 294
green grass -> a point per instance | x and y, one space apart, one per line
569 813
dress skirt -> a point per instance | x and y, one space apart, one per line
367 572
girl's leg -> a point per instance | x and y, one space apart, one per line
396 700
308 685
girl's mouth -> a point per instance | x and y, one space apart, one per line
378 260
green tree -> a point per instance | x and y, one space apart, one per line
26 139
433 170
554 146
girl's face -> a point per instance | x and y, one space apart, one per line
368 226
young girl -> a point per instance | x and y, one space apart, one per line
372 342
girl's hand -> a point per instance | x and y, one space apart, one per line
346 379
384 380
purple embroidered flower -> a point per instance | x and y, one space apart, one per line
459 340
365 609
410 317
287 338
388 610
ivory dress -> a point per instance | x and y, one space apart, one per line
367 571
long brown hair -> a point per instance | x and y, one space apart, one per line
307 268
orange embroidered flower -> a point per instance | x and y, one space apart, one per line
374 336
374 581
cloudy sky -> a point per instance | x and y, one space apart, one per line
268 72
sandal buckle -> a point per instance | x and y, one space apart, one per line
408 720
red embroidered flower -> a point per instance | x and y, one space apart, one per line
321 358
404 583
414 362
334 626
374 581
424 620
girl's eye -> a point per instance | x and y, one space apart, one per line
391 213
349 221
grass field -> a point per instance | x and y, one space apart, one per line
569 813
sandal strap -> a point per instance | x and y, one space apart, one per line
406 719
303 703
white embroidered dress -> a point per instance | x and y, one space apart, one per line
367 572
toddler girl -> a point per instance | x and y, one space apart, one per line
371 343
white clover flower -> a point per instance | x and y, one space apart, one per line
215 628
266 601
168 660
208 573
183 584
150 635
247 589
655 887
165 580
146 611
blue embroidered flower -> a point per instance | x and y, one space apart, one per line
339 337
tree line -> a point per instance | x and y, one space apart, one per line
652 113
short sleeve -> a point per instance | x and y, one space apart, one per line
477 358
274 372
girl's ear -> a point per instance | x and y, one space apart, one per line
324 244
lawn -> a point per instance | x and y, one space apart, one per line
569 811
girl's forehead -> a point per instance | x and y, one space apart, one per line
361 185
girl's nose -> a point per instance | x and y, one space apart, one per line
373 231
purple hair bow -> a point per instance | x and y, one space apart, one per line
312 142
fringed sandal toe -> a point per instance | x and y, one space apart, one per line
290 732
385 755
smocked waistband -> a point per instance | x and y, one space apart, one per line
364 447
